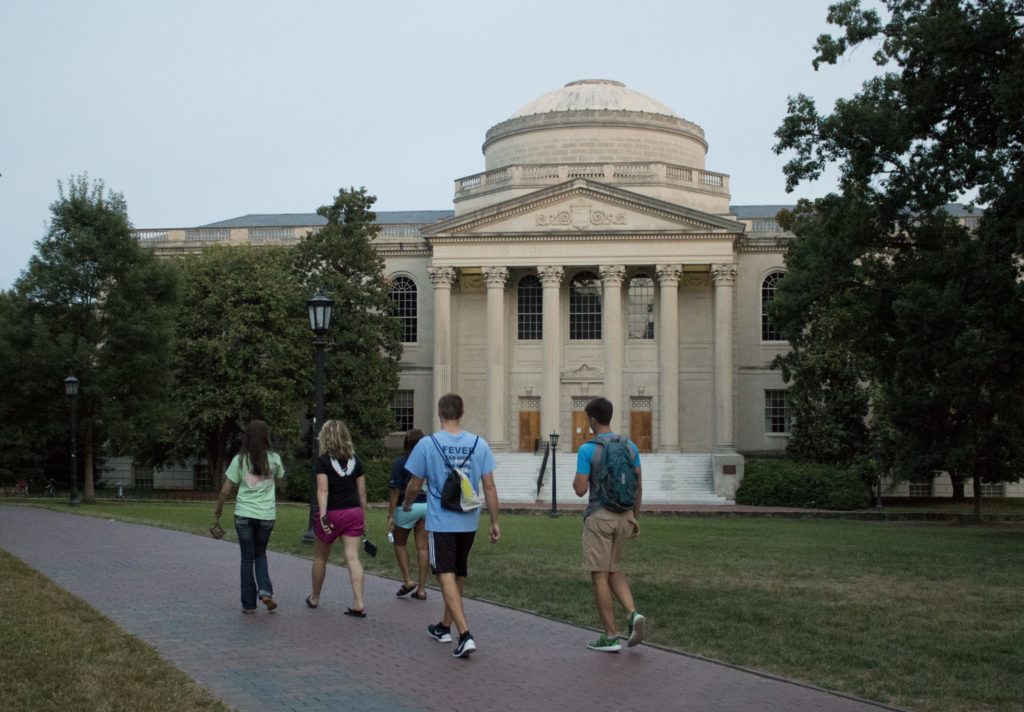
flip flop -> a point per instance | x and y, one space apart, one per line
421 596
309 604
406 589
356 614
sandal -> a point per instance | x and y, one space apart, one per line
406 588
269 602
310 604
356 614
420 595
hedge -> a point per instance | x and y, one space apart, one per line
785 483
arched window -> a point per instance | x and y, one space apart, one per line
403 307
641 307
531 308
585 306
769 332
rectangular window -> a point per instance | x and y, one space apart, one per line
993 489
920 489
401 406
776 412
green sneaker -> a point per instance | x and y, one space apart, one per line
605 644
637 629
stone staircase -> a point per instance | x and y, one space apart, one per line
668 478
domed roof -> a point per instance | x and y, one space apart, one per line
594 95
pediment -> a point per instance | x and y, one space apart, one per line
579 207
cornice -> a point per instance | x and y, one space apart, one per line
588 236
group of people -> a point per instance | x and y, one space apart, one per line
443 533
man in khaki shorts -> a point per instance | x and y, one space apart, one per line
605 532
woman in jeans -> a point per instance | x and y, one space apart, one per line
341 504
254 470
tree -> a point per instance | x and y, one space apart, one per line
105 303
363 342
241 350
932 312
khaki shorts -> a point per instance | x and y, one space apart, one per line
604 537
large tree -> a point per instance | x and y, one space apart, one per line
95 304
363 342
931 311
241 350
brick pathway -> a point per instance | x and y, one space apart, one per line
179 593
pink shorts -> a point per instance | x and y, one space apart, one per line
344 522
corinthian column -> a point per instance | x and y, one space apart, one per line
442 279
497 398
614 347
550 401
668 357
724 277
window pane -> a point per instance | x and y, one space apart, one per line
585 306
776 412
401 406
531 308
641 307
769 332
403 299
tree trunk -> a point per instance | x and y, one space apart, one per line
977 497
958 486
215 457
89 483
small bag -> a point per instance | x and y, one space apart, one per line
216 530
457 493
369 547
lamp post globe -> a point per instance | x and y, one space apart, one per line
71 390
553 439
319 309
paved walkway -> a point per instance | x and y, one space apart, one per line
179 593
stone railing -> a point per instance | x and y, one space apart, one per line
530 176
175 239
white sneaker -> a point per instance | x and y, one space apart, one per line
637 629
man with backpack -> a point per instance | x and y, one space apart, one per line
456 467
608 467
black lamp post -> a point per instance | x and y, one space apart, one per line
319 309
71 388
553 439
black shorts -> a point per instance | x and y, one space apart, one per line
449 552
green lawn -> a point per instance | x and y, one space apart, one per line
927 616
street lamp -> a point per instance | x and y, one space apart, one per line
553 439
71 389
320 309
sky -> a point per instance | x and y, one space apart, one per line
200 111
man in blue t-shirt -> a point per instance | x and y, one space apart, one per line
452 533
605 534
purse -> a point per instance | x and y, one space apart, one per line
369 547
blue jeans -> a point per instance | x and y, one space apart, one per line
253 535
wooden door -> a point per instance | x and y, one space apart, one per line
529 429
581 432
640 429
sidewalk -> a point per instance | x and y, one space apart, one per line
179 593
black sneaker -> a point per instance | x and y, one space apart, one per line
466 646
440 632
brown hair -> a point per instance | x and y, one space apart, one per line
255 446
411 438
600 409
450 406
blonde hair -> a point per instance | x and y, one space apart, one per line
335 440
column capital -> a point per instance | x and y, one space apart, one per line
550 275
495 276
668 275
612 275
441 276
723 275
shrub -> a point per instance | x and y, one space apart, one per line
784 483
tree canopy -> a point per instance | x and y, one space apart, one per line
926 308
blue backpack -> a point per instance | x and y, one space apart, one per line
613 473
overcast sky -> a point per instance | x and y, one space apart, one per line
204 111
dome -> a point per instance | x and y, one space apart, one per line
594 95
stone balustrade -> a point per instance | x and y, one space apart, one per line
534 175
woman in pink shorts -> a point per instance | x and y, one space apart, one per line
341 498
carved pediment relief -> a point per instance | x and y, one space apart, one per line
581 215
585 372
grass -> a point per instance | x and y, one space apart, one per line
47 634
927 616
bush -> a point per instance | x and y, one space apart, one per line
376 472
784 483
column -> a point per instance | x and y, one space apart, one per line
497 397
614 345
724 277
551 397
442 278
668 357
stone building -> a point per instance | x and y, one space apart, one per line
595 254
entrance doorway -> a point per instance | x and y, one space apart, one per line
529 430
640 429
581 432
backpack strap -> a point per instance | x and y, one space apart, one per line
470 454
